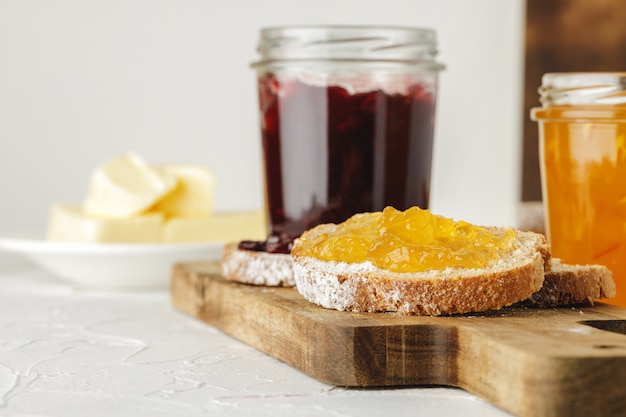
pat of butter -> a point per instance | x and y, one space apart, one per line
69 223
216 228
126 186
192 196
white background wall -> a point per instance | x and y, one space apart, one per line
83 81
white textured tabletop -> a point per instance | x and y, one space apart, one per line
67 351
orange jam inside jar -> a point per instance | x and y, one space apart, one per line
413 240
582 144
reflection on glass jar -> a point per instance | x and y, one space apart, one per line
347 118
582 127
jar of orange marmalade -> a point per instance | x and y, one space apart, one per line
582 145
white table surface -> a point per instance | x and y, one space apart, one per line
68 351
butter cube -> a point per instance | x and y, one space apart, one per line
216 228
193 194
70 223
126 186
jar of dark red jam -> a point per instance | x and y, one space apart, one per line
347 116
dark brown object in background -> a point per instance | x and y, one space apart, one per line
564 36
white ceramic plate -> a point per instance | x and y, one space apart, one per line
114 265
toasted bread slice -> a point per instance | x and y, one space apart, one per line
366 288
257 268
567 284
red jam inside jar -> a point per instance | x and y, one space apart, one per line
334 150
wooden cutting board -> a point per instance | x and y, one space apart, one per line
531 362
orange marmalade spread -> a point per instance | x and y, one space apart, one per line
414 240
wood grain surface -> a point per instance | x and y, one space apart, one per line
531 362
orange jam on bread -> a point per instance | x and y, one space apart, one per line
413 240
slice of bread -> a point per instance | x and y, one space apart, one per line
255 267
567 284
366 288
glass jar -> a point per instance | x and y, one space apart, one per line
582 144
347 117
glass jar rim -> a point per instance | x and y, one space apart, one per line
348 44
580 114
583 88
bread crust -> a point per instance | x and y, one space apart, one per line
364 288
256 268
567 284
